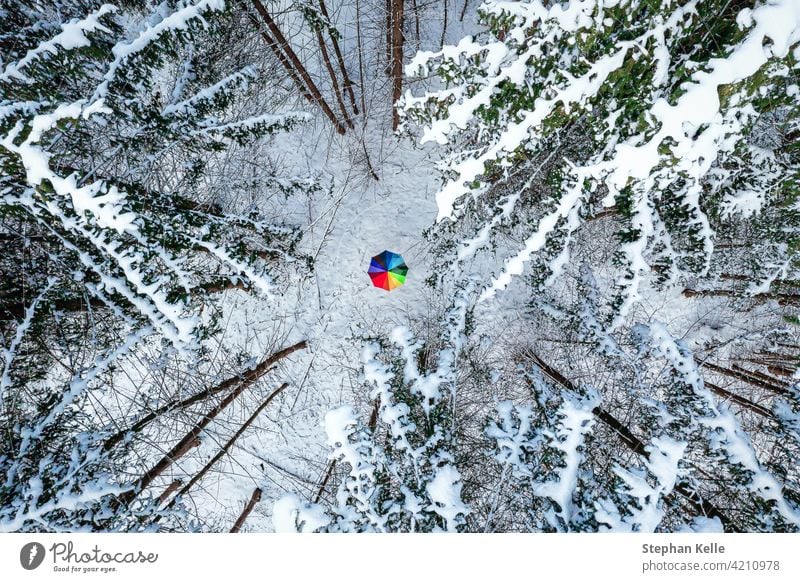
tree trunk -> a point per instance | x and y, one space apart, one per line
762 376
415 8
169 490
781 298
276 50
463 11
254 498
747 378
360 49
292 62
444 23
348 83
323 49
389 43
227 446
740 400
397 59
328 474
185 444
249 376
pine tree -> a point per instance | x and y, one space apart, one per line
124 213
653 144
675 120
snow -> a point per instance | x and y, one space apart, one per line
518 132
665 453
338 423
789 416
445 494
464 109
393 414
697 107
725 430
702 524
96 205
63 502
512 438
358 489
336 306
291 514
568 207
270 123
105 208
10 352
259 280
577 420
207 94
636 162
72 36
180 19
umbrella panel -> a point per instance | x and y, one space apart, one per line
380 280
395 281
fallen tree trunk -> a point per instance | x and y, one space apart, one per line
227 446
254 498
249 376
781 298
182 446
746 378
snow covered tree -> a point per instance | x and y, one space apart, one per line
640 443
126 209
676 121
540 451
399 472
620 153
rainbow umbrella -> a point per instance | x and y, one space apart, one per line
388 270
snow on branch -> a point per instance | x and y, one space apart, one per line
400 473
179 20
72 36
650 152
725 432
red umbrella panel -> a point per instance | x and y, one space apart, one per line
388 270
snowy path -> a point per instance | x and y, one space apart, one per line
357 219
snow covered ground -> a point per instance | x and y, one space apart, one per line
356 219
345 226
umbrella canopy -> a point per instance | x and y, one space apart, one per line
388 270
